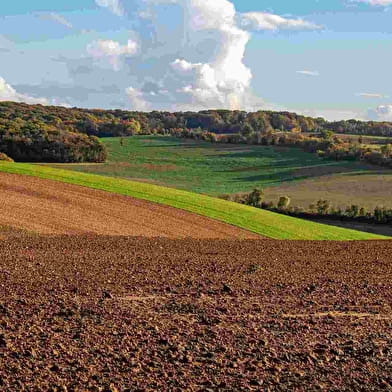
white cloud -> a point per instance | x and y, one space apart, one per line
102 48
199 64
372 95
112 50
381 113
308 73
264 21
332 114
383 3
113 5
136 99
184 66
224 80
57 18
8 93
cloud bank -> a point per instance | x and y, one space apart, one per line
381 113
8 93
197 65
180 55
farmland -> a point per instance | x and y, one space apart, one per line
208 306
117 314
48 207
259 221
112 282
218 169
211 168
363 188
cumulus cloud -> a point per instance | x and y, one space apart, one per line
136 98
112 50
381 113
8 93
198 63
258 21
57 18
308 73
224 80
113 5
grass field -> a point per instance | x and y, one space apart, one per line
211 169
365 189
259 221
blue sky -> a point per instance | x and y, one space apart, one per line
329 58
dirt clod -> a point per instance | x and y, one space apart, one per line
101 313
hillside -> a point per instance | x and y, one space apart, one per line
217 169
48 207
259 221
209 168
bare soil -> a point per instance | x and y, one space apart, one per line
100 313
50 207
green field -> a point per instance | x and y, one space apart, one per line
212 169
256 220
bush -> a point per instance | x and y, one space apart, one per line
255 198
284 202
5 157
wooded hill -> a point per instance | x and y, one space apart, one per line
59 134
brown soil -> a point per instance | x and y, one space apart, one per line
96 313
49 207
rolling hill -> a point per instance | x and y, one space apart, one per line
258 221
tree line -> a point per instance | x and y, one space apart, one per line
117 122
321 209
59 134
326 144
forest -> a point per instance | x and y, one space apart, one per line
58 134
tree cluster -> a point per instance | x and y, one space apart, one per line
321 209
28 138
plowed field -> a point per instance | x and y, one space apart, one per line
96 313
49 207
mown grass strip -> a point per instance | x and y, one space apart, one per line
263 222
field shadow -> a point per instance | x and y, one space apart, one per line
374 172
379 229
303 173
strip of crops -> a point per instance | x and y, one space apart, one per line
263 222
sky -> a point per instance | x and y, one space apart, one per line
328 58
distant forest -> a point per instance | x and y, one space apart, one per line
58 134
